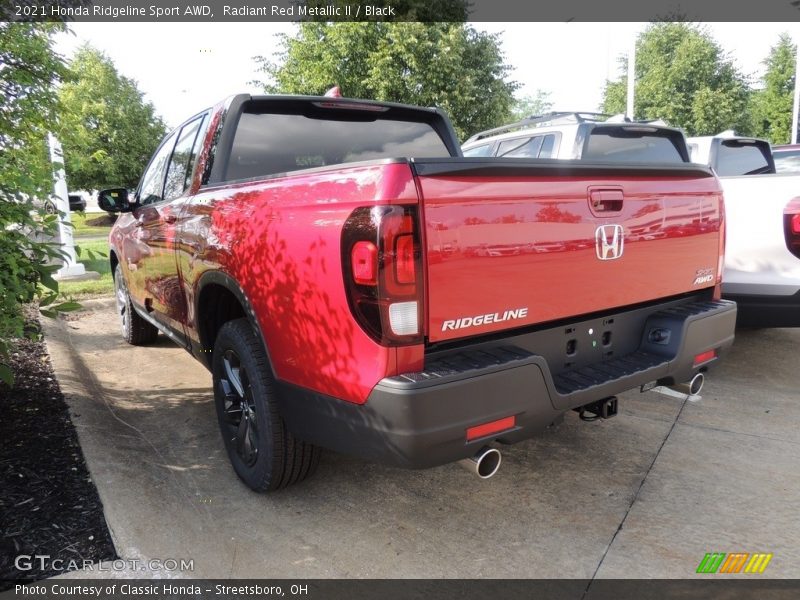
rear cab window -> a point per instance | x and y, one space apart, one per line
279 137
634 143
742 157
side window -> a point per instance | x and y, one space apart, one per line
485 150
179 172
152 188
548 149
521 148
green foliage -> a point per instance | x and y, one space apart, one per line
91 224
93 254
107 129
531 105
28 107
448 65
772 106
684 77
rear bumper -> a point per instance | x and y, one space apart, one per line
758 310
420 419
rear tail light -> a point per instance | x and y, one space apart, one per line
795 224
721 249
791 226
382 261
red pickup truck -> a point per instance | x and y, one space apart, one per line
354 283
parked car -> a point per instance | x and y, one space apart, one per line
762 258
787 158
77 202
581 135
287 242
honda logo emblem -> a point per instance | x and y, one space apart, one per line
609 241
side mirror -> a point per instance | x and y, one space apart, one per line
114 200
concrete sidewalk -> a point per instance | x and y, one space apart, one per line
646 494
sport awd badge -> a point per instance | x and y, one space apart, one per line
703 276
609 241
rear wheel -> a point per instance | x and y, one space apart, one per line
262 451
135 329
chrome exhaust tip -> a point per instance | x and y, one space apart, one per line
691 387
484 464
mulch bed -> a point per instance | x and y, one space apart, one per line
102 220
48 503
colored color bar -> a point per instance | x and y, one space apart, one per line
758 563
711 562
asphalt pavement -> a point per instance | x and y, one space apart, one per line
645 494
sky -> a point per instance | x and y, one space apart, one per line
185 67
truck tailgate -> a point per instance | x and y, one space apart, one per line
511 243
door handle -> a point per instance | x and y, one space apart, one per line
605 200
170 219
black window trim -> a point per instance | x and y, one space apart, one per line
202 117
172 135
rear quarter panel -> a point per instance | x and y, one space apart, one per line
279 238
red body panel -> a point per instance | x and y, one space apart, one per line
498 245
280 240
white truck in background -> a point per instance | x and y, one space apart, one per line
762 208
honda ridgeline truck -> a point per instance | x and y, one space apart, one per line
323 258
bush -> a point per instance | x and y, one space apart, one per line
28 110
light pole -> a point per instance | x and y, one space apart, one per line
71 267
629 109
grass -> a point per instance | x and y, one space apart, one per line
86 224
99 262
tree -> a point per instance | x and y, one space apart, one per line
107 129
448 65
28 108
531 105
772 108
684 77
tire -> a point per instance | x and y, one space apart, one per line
265 456
135 329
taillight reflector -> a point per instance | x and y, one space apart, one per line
704 357
364 263
479 431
